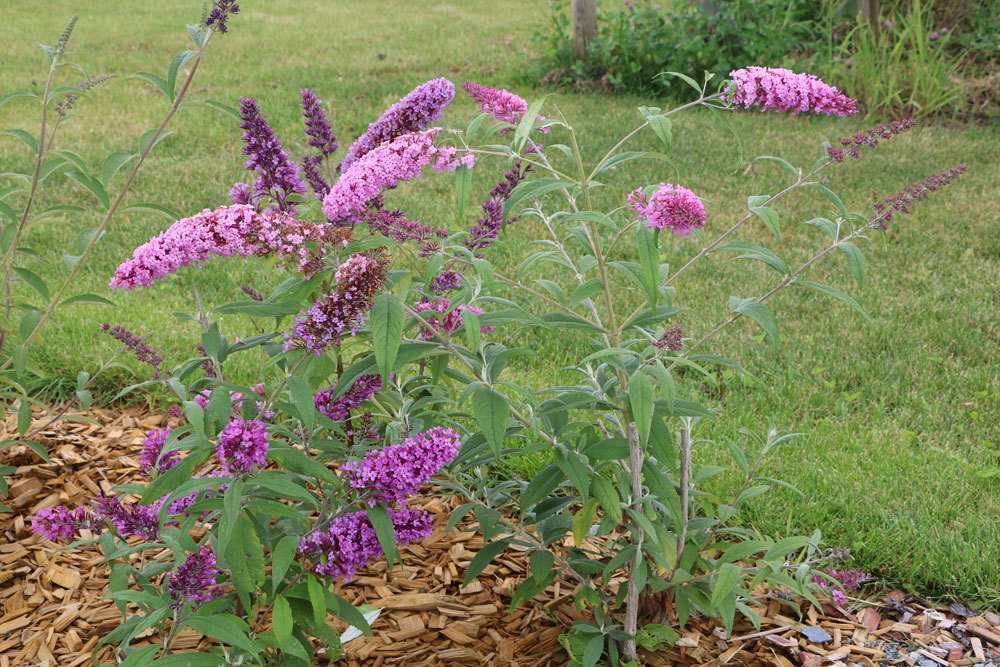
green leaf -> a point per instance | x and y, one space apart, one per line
174 477
245 557
92 185
646 242
756 311
33 280
259 308
595 649
113 164
387 321
607 496
662 128
149 207
535 189
87 298
24 137
770 218
189 659
641 398
483 558
174 68
225 627
384 531
281 557
141 656
855 260
492 414
281 617
302 398
830 290
575 468
526 124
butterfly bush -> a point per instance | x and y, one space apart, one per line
382 347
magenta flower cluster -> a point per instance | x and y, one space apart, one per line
349 543
358 280
782 90
413 113
384 167
61 524
152 459
446 281
130 519
671 207
851 146
242 445
397 471
338 409
503 105
671 340
195 581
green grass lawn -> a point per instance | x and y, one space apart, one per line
902 414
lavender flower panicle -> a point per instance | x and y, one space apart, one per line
317 126
349 543
783 90
252 293
358 280
137 346
902 202
446 281
312 169
413 113
671 207
242 445
384 167
241 194
339 409
152 457
870 138
397 471
195 581
487 228
278 176
221 12
130 519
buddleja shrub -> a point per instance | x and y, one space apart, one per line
102 188
384 373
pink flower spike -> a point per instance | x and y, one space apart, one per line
782 90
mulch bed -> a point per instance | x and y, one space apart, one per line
53 613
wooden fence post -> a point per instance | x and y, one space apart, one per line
584 25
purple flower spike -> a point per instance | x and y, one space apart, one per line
782 90
61 524
339 409
359 279
222 10
317 126
195 580
671 207
397 471
278 177
487 228
242 445
152 457
349 543
421 107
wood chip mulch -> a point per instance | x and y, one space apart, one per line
53 613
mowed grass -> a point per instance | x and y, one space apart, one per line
901 414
